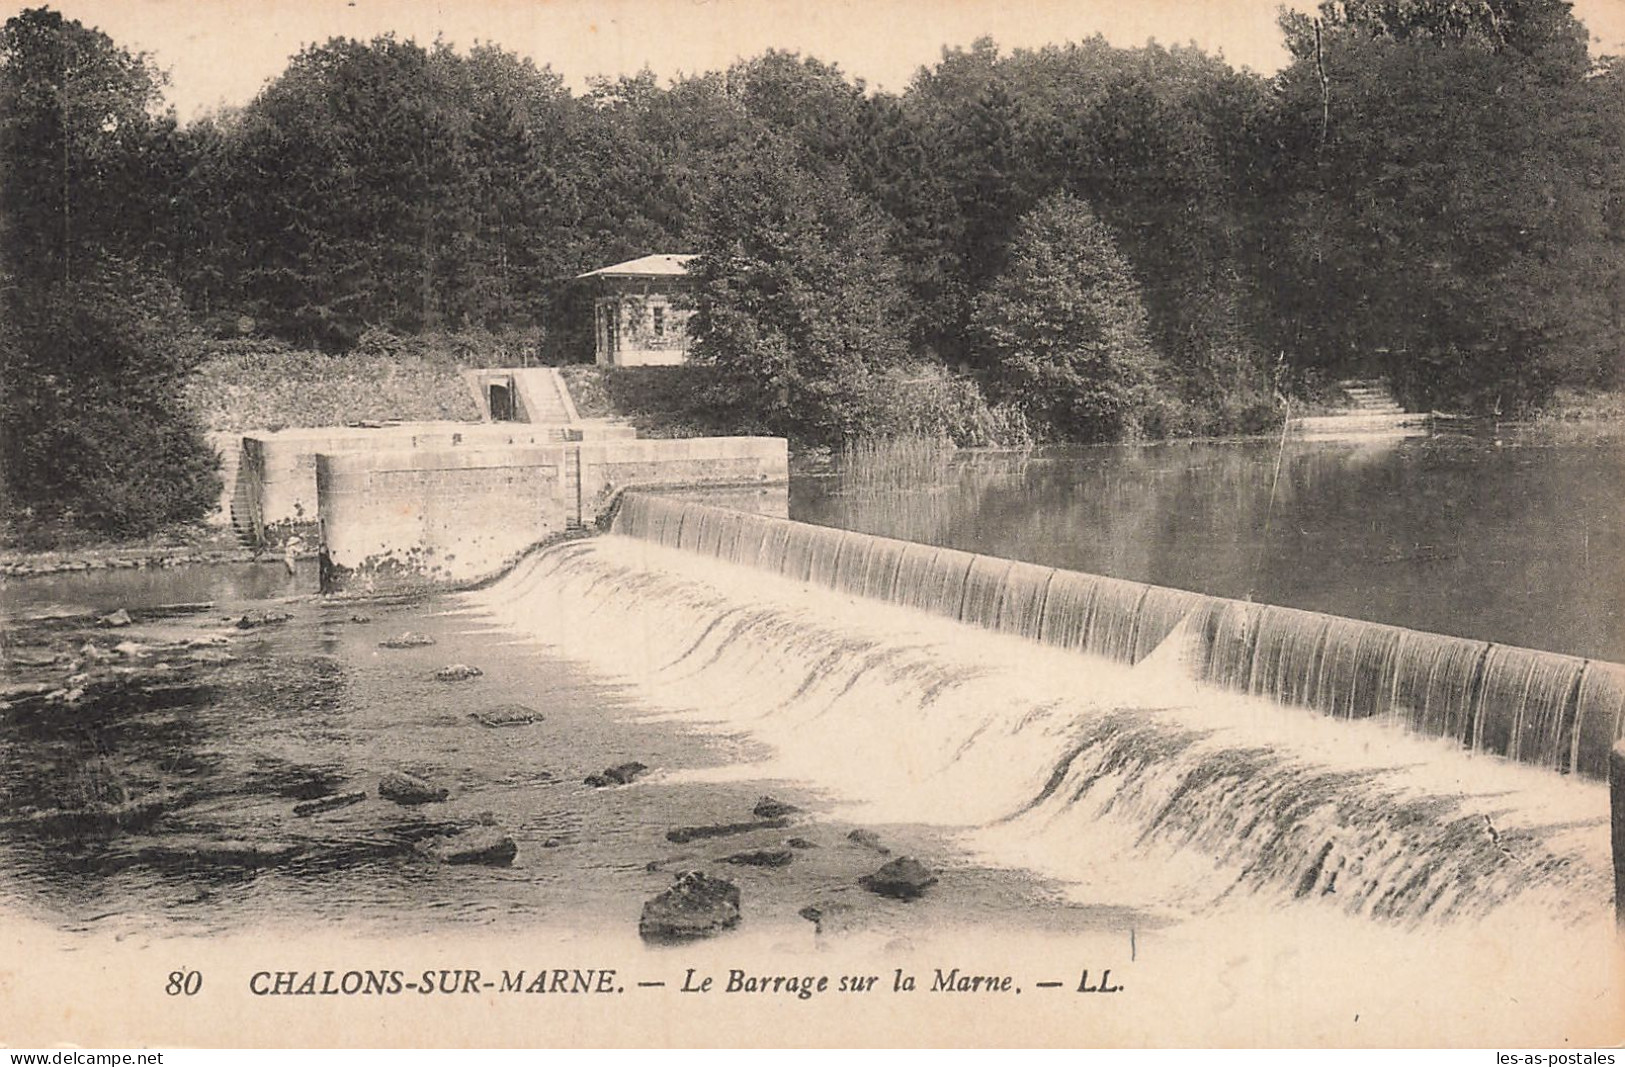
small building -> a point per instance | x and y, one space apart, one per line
641 311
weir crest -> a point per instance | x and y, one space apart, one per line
1555 711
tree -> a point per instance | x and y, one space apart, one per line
75 113
389 184
1437 177
797 300
95 346
1064 325
94 428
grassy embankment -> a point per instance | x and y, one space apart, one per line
1584 406
264 385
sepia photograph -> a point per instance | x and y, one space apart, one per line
740 524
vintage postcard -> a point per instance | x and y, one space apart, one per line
751 524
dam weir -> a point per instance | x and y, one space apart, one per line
1144 748
1560 712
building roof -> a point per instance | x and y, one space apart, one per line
646 266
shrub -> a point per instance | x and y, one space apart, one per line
95 433
1065 328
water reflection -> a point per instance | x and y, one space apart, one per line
1517 540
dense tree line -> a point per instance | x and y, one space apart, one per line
1109 240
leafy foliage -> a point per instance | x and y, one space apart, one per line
796 297
93 429
1440 166
1065 326
94 346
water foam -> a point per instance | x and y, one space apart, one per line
1128 783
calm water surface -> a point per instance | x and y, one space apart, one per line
1518 539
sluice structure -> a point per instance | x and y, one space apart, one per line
1559 712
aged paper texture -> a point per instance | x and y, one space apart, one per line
1000 952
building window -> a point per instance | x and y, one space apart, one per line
660 322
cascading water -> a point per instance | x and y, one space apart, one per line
1127 783
1555 711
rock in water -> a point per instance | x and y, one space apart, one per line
407 640
829 918
903 878
868 839
409 789
256 619
481 844
765 857
343 800
769 808
457 672
620 774
696 905
120 617
507 715
684 834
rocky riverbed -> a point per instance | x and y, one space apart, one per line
206 764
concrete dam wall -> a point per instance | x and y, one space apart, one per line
411 518
1559 712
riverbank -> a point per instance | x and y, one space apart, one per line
41 553
1571 406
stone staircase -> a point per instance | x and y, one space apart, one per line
544 396
1369 396
1371 409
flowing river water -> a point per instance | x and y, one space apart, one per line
1217 842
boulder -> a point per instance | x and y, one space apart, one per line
868 839
407 640
620 774
506 715
799 842
769 808
192 852
92 653
457 672
696 905
684 834
342 800
405 788
256 619
902 878
25 690
167 611
120 617
829 918
485 845
763 857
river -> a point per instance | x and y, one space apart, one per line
1516 537
1060 800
